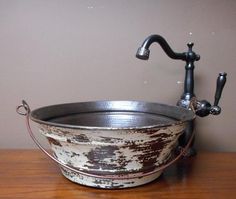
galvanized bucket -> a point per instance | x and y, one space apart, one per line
110 144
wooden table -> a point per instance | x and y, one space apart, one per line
30 174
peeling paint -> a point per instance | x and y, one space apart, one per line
113 152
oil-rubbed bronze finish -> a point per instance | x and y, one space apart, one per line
202 107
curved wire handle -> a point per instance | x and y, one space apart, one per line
26 112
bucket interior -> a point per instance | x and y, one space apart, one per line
111 114
113 119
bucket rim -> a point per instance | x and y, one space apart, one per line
111 105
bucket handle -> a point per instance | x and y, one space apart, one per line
24 109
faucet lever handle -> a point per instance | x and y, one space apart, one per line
204 108
220 83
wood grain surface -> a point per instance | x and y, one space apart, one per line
30 174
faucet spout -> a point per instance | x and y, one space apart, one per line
143 52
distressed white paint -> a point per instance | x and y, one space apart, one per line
82 142
107 183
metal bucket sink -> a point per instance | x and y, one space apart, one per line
110 144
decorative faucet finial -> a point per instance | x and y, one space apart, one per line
190 55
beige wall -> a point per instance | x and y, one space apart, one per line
67 51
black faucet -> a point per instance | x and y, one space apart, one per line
202 108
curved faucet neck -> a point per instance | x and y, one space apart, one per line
165 46
190 57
